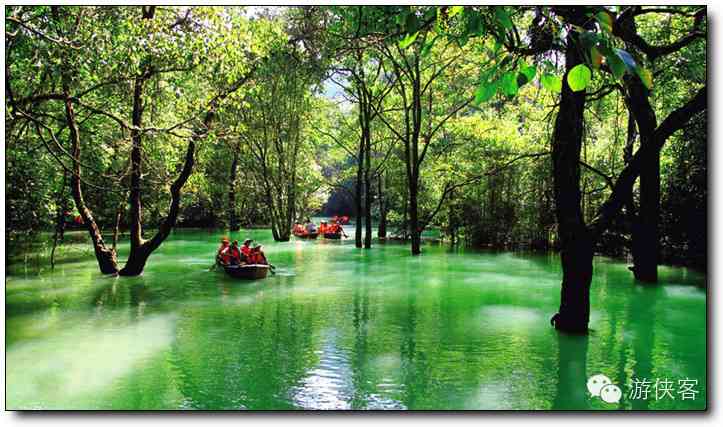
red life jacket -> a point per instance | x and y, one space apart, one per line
226 255
235 254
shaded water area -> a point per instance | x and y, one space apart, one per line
343 328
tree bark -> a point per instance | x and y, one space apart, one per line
106 257
382 229
414 216
645 229
359 189
576 243
368 193
233 222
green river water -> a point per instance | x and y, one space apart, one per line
342 328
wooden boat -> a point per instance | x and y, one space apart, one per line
332 236
307 235
247 271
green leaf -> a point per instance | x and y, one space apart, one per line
616 65
408 40
579 77
454 10
605 20
428 46
485 92
646 76
503 18
628 59
529 71
509 83
551 82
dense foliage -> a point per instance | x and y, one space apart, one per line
414 117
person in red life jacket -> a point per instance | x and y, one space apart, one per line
235 253
344 220
246 248
78 220
323 227
299 229
225 256
338 229
257 256
220 257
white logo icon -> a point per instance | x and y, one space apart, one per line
601 386
596 383
611 393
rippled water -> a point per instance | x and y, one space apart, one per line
342 328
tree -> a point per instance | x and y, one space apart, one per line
158 59
645 233
276 115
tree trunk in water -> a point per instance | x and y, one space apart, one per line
382 230
368 194
645 229
233 223
576 242
630 209
359 193
106 258
138 251
414 217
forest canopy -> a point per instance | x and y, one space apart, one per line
580 129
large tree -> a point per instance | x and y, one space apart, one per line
90 72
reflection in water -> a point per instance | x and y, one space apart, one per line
345 328
571 368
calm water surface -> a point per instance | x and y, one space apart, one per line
342 328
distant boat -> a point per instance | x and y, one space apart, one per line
247 271
340 219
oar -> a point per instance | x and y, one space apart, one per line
272 268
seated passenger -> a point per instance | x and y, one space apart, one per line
235 253
257 256
219 253
246 248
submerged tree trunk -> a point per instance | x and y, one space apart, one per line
359 189
368 193
630 208
382 229
645 229
414 217
576 242
106 257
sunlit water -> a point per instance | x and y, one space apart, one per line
343 328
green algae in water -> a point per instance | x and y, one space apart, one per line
343 328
